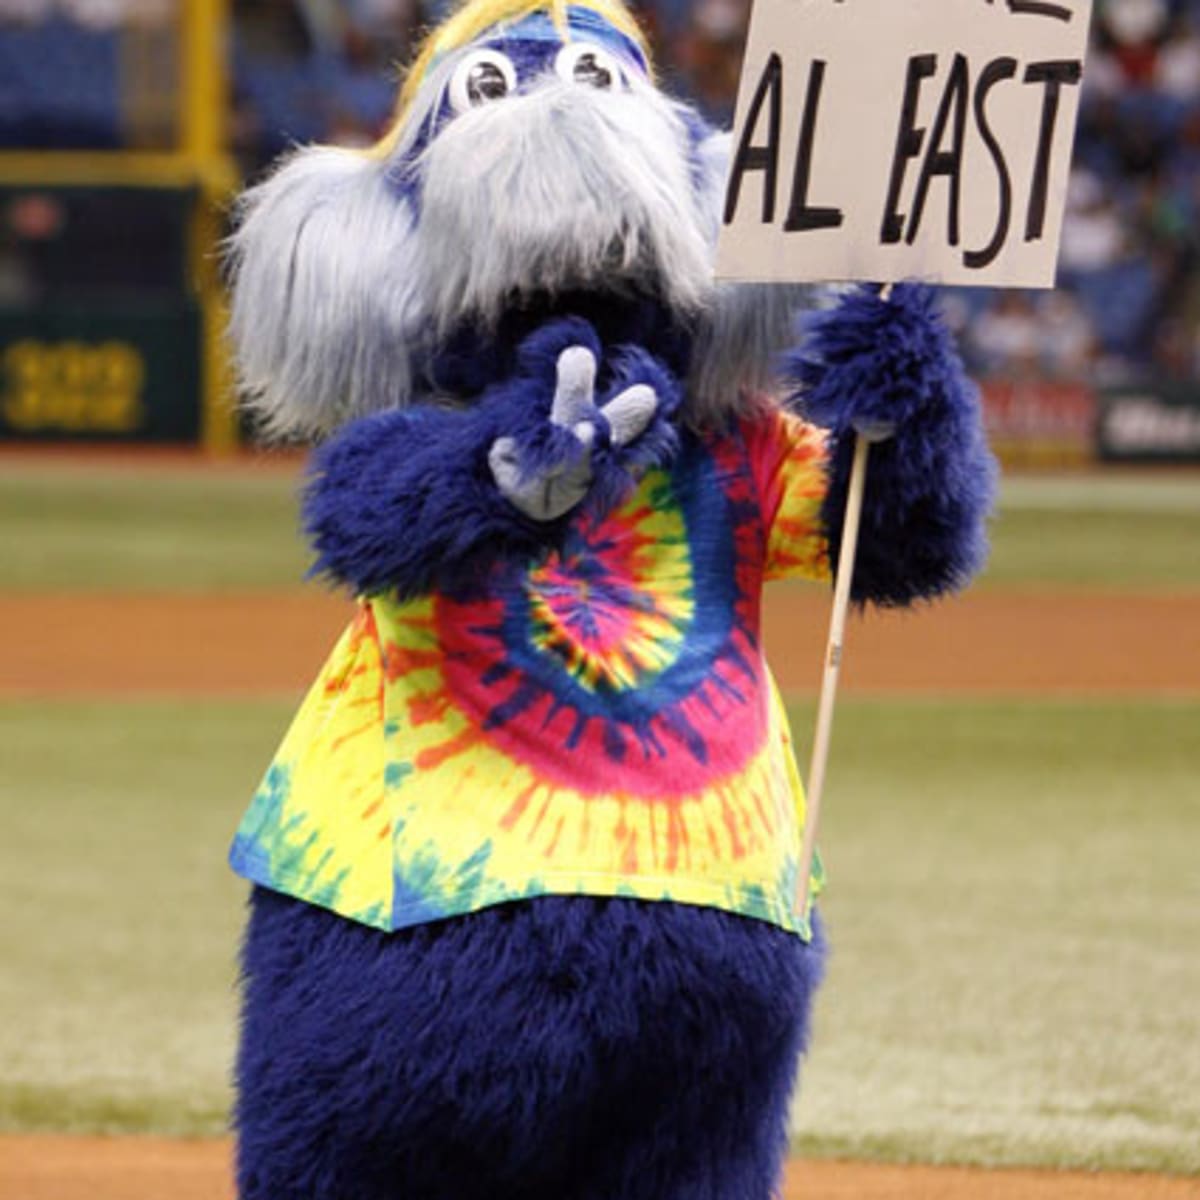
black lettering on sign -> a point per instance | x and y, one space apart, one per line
939 161
908 144
1038 8
1052 75
993 73
802 215
748 157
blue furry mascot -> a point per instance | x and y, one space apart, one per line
523 924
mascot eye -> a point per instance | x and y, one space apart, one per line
581 62
481 77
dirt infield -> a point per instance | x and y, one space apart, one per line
79 1168
989 641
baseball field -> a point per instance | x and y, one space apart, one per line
1011 827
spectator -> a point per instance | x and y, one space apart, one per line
1066 340
1133 29
708 55
1094 236
1177 73
1130 257
1006 338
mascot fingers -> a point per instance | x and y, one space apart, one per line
575 387
544 496
547 467
630 413
548 491
624 418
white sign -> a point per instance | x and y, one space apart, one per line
903 139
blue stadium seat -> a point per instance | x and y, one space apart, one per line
58 86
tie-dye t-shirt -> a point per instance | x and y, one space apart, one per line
601 723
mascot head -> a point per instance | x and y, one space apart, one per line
533 167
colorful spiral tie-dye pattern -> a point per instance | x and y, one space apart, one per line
600 723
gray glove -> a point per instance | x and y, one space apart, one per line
547 495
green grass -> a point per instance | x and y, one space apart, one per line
1014 907
1015 910
102 527
118 918
73 527
1097 531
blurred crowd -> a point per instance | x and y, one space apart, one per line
1128 304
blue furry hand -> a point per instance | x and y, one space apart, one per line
887 370
562 474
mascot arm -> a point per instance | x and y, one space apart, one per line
425 496
888 369
400 500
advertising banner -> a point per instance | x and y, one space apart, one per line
1151 423
111 374
1040 423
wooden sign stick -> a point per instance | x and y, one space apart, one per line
833 662
833 659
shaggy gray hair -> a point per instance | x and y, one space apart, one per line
343 279
325 317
